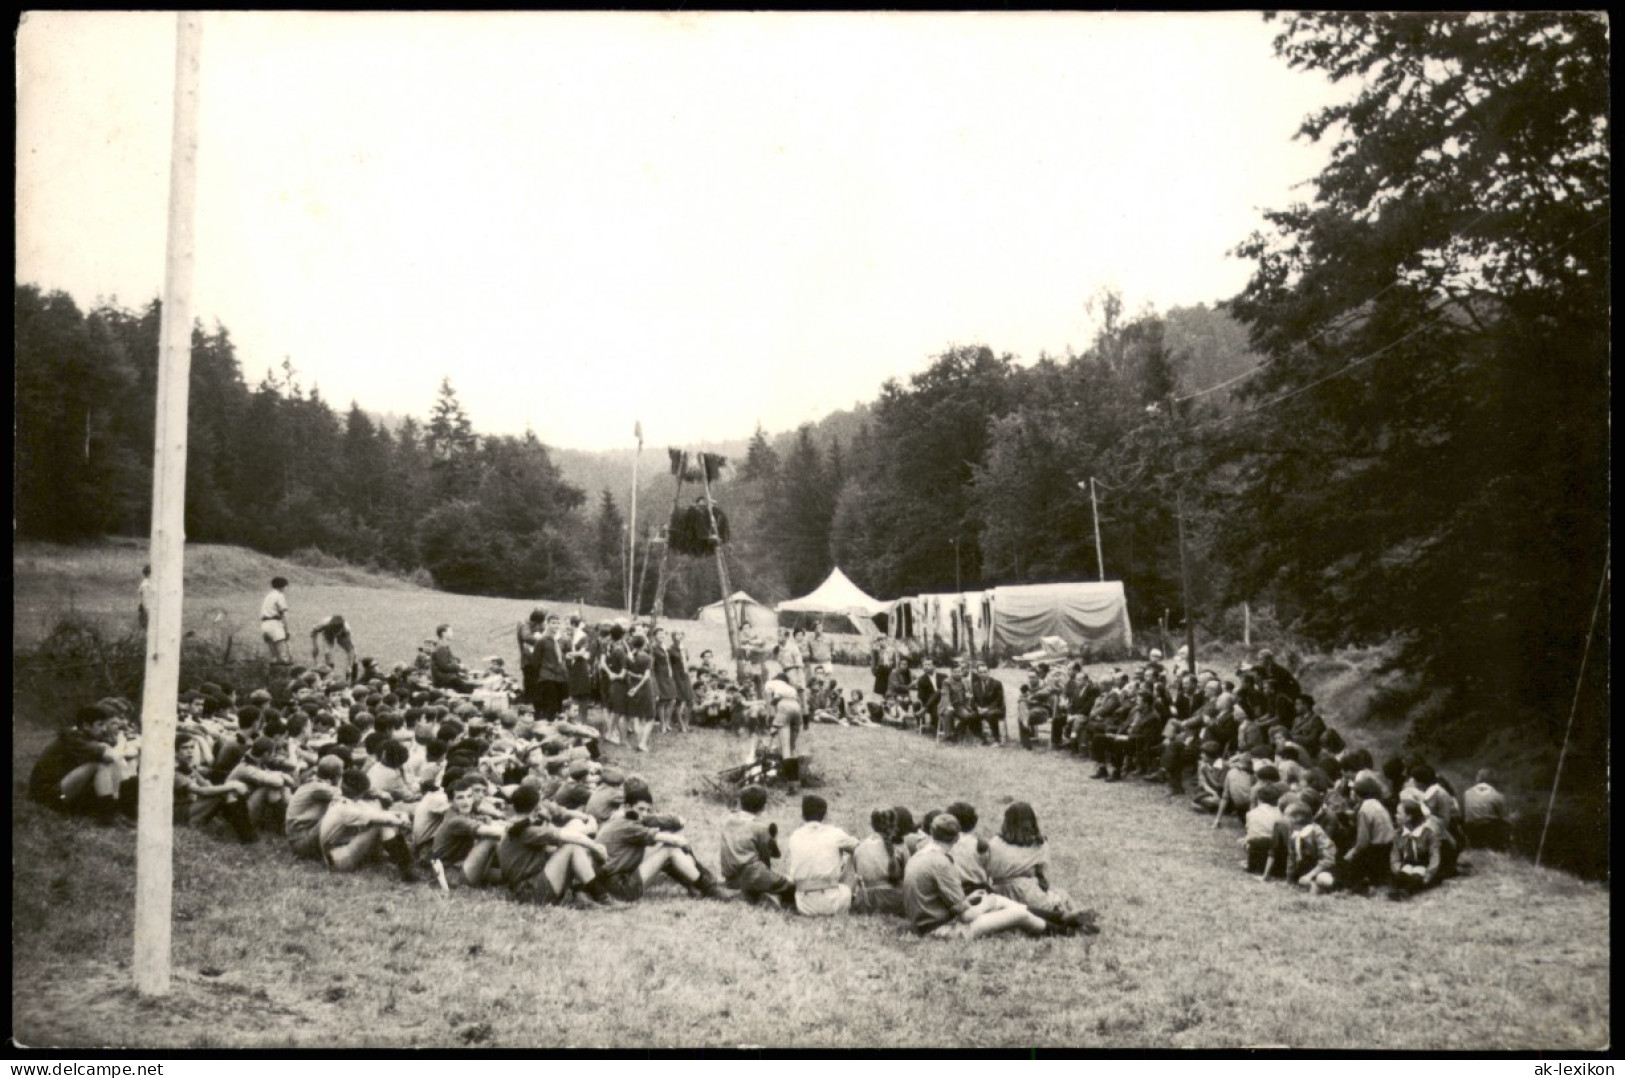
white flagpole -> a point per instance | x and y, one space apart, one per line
154 868
632 532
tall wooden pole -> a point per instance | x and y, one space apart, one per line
1185 586
154 866
1094 511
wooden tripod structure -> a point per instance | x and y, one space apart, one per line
709 464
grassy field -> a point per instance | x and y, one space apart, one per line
270 952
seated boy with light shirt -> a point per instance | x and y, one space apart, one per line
817 859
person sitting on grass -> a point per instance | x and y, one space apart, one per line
1368 862
817 860
749 845
1018 865
935 901
576 868
529 852
1442 805
355 828
1416 861
609 795
1486 819
639 845
1311 855
82 771
1210 779
1238 788
197 800
465 843
309 805
1266 832
879 862
388 775
269 785
970 852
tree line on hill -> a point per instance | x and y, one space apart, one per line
1398 429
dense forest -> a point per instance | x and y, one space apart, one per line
1398 431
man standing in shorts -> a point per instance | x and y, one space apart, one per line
274 622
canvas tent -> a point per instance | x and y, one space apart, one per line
746 609
836 593
838 606
1091 616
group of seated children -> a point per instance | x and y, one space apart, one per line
438 789
1314 811
940 876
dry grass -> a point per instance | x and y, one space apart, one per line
270 952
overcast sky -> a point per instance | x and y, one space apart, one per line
699 221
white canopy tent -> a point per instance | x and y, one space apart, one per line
836 594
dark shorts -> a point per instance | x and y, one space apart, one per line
626 886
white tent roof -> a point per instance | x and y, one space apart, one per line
836 593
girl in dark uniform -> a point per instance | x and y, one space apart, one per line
639 691
613 663
665 685
579 662
685 686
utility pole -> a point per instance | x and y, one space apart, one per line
962 630
1185 585
154 853
1094 511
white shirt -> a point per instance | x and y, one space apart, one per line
274 606
813 855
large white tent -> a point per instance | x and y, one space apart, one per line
837 606
837 594
1091 616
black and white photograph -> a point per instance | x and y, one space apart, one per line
1018 533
